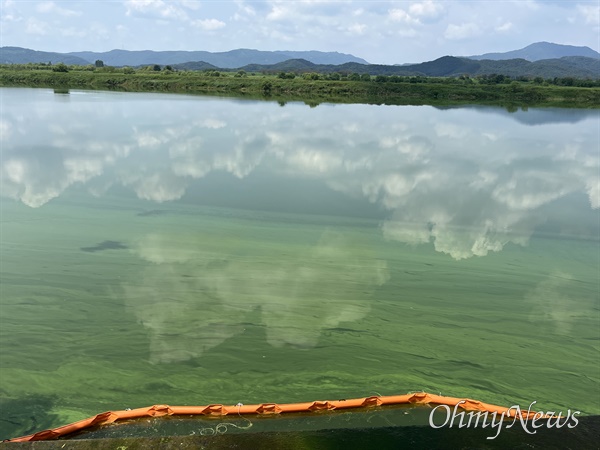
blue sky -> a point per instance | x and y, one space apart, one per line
387 32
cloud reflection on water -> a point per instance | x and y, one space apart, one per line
559 300
469 183
191 299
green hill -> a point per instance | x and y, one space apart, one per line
228 60
19 55
196 65
447 66
581 67
541 50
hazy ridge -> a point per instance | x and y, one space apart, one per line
541 59
541 50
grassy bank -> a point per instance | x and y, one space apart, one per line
381 90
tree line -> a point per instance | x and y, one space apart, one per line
465 79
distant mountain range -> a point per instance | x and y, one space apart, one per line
226 60
447 66
568 66
19 55
541 50
541 59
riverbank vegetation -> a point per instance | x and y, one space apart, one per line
312 87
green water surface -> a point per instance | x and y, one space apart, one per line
165 249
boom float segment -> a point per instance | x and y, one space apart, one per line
419 398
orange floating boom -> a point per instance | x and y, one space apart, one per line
419 398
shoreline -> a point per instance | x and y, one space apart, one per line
312 92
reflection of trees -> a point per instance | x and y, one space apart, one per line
192 299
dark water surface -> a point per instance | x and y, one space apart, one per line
191 250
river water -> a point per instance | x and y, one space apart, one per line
184 250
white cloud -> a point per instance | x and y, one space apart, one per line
168 11
278 12
466 201
82 169
504 27
553 302
593 190
73 32
528 190
414 29
357 28
531 5
159 248
217 290
35 184
463 31
208 24
6 129
15 170
314 160
453 230
483 180
155 8
590 13
98 31
406 32
418 13
214 124
444 129
36 27
490 136
10 18
427 10
244 12
190 4
148 139
9 12
158 187
51 7
413 148
399 15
